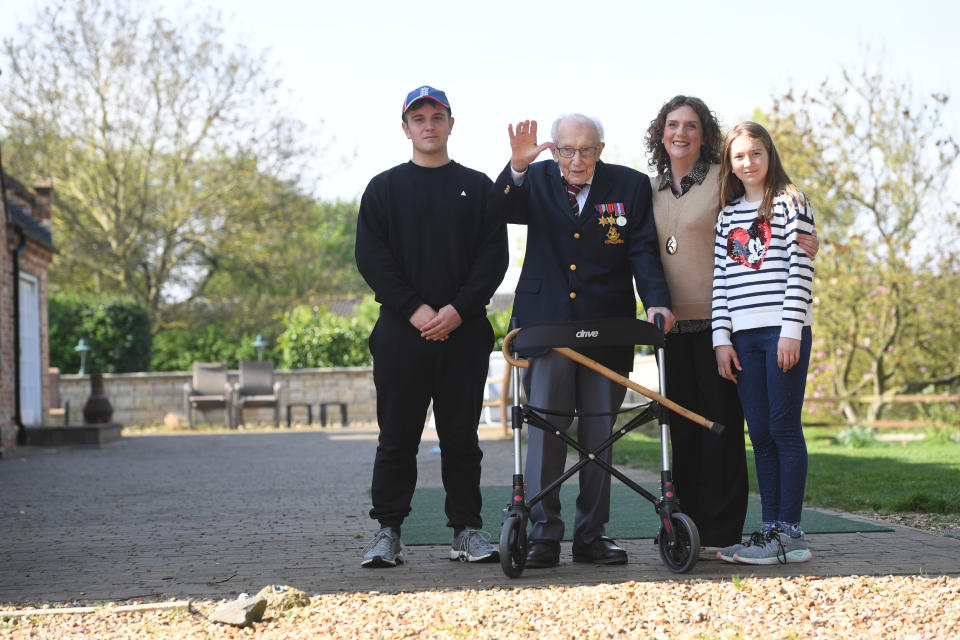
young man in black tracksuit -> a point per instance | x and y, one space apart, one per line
433 249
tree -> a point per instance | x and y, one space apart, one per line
880 159
877 161
167 146
273 267
881 330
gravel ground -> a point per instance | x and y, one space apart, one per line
847 607
938 523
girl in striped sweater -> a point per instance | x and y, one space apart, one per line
762 299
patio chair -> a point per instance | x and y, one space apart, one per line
60 406
257 388
208 390
496 391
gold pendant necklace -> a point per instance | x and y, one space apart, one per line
671 245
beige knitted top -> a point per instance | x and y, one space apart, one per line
692 219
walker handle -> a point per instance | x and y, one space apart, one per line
517 362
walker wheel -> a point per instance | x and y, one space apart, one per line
513 545
681 555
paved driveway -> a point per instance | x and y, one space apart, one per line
212 515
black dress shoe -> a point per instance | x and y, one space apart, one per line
603 550
543 554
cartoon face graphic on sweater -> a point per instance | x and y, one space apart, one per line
749 246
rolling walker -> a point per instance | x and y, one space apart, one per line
678 540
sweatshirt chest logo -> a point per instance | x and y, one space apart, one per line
749 246
612 215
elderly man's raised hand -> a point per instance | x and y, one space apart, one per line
523 145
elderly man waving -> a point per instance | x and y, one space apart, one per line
590 238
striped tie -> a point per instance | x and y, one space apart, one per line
572 191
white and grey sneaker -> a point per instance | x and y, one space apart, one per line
472 545
385 550
779 548
726 554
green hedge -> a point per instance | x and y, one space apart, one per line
317 337
117 332
176 349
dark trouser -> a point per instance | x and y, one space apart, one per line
556 383
773 401
409 372
709 471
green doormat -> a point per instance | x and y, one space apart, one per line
631 515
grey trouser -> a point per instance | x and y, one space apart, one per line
556 383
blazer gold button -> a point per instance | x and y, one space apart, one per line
573 267
572 295
507 190
576 236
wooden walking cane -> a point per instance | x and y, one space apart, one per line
616 377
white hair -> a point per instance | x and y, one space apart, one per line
579 118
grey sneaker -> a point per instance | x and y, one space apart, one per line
472 545
385 550
726 554
778 548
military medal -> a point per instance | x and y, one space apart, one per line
672 245
607 218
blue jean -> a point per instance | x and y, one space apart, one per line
772 402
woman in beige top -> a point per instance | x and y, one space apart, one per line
710 471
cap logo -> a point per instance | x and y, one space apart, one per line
426 92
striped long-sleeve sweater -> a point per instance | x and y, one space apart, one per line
761 277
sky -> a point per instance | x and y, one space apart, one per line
347 65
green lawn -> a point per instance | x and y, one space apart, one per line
921 476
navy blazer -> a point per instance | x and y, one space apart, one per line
580 268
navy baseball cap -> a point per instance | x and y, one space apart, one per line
425 92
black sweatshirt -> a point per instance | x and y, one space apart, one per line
430 236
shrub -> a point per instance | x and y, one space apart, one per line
942 435
176 349
117 331
856 437
500 321
317 337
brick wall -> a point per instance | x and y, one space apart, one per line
146 398
7 428
34 259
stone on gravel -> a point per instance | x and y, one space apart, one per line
241 613
281 597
